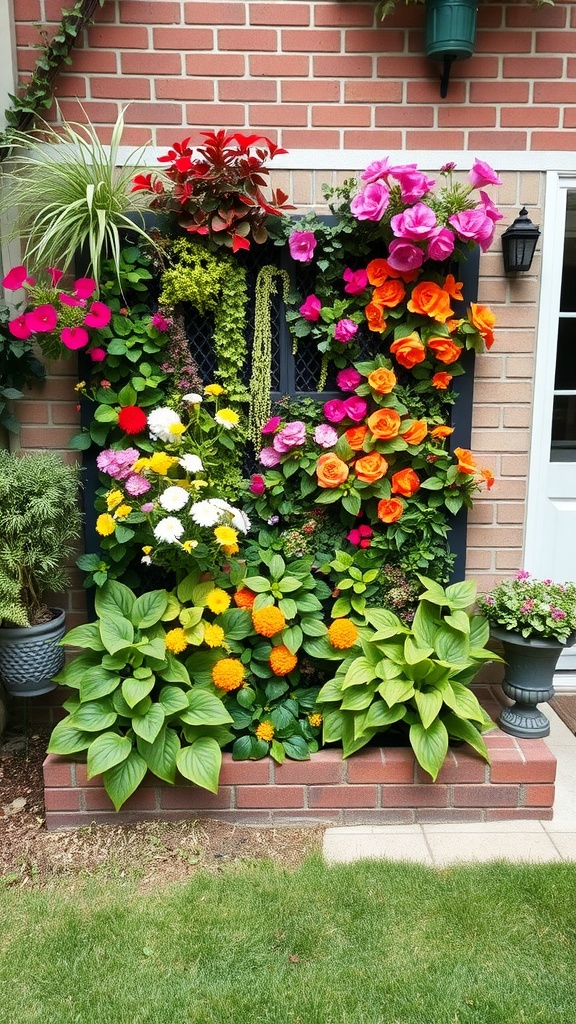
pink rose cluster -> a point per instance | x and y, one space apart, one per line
45 318
418 233
286 439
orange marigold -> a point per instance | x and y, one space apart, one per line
265 731
228 674
343 634
268 621
282 661
244 598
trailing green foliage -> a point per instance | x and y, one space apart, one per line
261 376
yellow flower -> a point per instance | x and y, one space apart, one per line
189 545
342 634
315 720
114 498
218 601
213 389
265 731
161 462
176 640
228 674
197 484
122 511
80 385
213 635
230 549
141 464
268 621
225 535
177 429
147 549
227 418
105 524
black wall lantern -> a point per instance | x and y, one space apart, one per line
450 33
519 244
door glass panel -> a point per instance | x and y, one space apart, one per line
563 446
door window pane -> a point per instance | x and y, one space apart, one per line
563 441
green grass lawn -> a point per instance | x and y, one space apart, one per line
369 943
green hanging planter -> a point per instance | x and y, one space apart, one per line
450 29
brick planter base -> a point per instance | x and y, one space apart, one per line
375 786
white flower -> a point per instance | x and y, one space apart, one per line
227 418
240 520
146 560
191 463
174 498
203 513
169 530
192 398
160 422
225 506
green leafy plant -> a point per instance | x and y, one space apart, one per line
134 706
274 718
39 522
412 676
532 607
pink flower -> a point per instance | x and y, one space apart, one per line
310 308
490 208
522 575
348 379
43 319
353 537
15 278
19 327
447 168
356 281
117 463
271 425
136 484
97 355
257 484
413 184
161 322
293 435
302 245
334 410
74 337
482 174
99 316
55 275
371 203
415 223
325 435
69 300
355 408
345 330
376 170
404 255
148 506
84 287
475 226
557 613
269 457
528 606
440 244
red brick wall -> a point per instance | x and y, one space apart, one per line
320 74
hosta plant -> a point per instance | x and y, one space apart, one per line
134 707
416 677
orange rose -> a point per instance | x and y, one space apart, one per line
371 468
409 351
375 316
488 476
431 300
453 287
389 510
416 433
444 349
384 424
331 471
378 272
453 325
382 381
441 380
441 431
405 482
466 463
355 437
484 321
389 294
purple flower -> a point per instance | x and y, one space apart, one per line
371 203
302 245
522 575
117 463
490 599
271 425
269 457
527 607
136 484
334 410
482 174
440 244
345 330
557 613
147 507
348 379
447 168
325 435
376 170
293 435
355 408
273 520
310 308
356 281
415 223
475 226
404 255
547 582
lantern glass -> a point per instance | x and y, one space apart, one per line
519 244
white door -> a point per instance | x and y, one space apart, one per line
551 511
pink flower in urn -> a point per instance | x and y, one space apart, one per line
345 330
490 208
257 484
97 355
269 457
355 408
334 410
356 281
376 170
302 245
19 327
293 435
271 425
371 203
325 435
310 308
404 256
99 315
440 244
474 225
415 223
482 174
43 319
413 184
348 379
74 337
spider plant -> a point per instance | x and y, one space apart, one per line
71 194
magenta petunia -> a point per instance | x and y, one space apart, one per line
415 223
99 315
97 355
310 308
490 208
376 170
413 183
345 330
257 484
482 174
356 281
55 275
302 245
293 435
440 244
74 337
15 278
69 300
474 225
334 410
404 255
43 319
348 379
84 287
271 425
19 327
161 322
355 408
371 203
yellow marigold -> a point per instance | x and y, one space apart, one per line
176 640
114 498
225 535
122 511
244 598
265 731
228 674
268 621
105 524
282 661
160 463
213 635
315 720
342 634
214 389
218 601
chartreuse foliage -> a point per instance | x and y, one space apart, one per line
135 707
416 675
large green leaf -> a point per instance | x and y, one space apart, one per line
174 671
201 763
259 584
87 635
124 778
461 595
106 751
379 716
424 625
94 715
386 623
155 648
65 739
282 718
333 725
97 682
149 608
462 730
464 703
173 699
428 703
134 690
236 623
292 638
459 621
358 698
160 756
451 645
479 631
430 745
415 654
114 599
396 691
73 673
204 709
361 671
148 725
117 633
287 585
332 690
296 748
